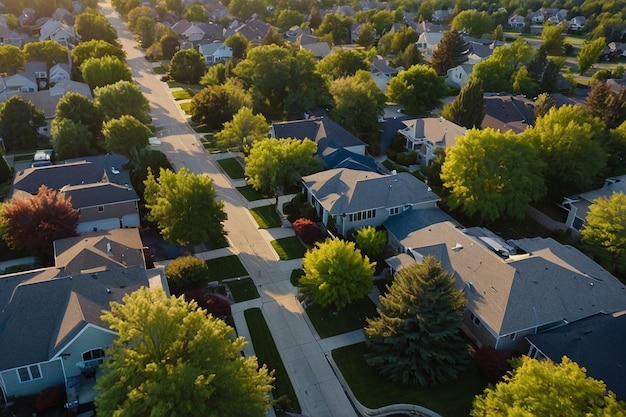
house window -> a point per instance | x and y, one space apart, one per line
100 209
394 210
474 319
28 373
93 354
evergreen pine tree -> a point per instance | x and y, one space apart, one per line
468 108
451 51
416 338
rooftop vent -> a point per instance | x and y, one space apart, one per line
457 247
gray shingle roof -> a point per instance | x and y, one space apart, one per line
551 282
319 129
91 195
507 112
350 191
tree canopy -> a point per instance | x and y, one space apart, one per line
245 129
604 231
71 139
337 27
186 273
372 242
95 48
211 106
187 66
451 51
99 72
19 121
343 63
185 207
568 140
468 108
543 388
475 22
125 136
417 338
496 72
172 358
492 174
93 25
120 99
49 51
35 223
419 89
79 109
590 53
607 105
553 39
335 273
12 59
275 163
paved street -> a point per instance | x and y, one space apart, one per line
319 392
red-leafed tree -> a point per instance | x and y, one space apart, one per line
34 223
307 230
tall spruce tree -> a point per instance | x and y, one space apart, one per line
451 51
468 108
416 338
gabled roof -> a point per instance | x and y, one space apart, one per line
438 130
350 191
318 129
595 343
342 158
379 65
106 249
211 48
93 195
212 30
548 283
430 38
508 113
41 317
181 26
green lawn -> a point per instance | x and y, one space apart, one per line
186 107
295 276
266 217
183 94
250 193
243 289
452 399
329 322
232 168
288 248
199 128
226 267
266 352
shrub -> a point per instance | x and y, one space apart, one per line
215 304
5 170
493 364
308 212
407 158
307 230
49 398
186 273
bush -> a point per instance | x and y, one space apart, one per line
49 398
215 304
493 364
398 143
307 230
186 273
308 212
407 158
5 170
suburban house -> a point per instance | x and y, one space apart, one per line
428 41
336 147
63 340
577 206
458 76
215 52
595 343
56 30
537 17
10 37
429 134
576 23
254 30
98 186
508 112
18 83
318 49
382 72
517 21
514 288
355 199
58 73
188 30
442 15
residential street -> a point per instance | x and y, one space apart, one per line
319 392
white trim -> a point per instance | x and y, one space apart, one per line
87 326
30 374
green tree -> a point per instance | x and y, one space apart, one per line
34 223
93 25
244 9
273 37
307 88
145 29
553 39
419 89
172 358
524 83
498 33
343 63
136 13
245 129
12 59
71 139
367 35
336 274
337 27
187 66
543 104
603 103
543 388
451 51
417 338
568 140
186 273
615 145
492 174
392 43
590 53
120 99
407 58
95 48
372 242
196 12
288 18
125 136
79 109
185 207
275 163
496 72
146 160
211 107
98 72
19 121
468 108
358 103
239 44
474 22
604 232
49 51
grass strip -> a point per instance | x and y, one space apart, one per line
243 289
232 168
267 353
250 193
288 248
226 267
182 94
329 322
266 217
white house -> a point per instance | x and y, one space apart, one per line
576 23
58 73
215 52
458 76
428 134
57 31
517 21
428 41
